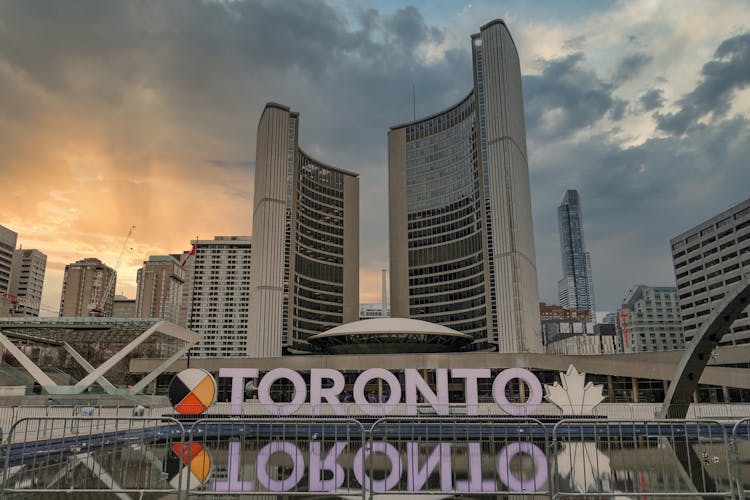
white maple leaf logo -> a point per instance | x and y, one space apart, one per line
583 465
574 396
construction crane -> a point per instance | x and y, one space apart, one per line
17 302
96 307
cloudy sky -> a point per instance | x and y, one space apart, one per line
115 114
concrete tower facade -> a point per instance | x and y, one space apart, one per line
27 280
8 241
305 274
709 260
576 288
461 236
216 295
86 285
160 286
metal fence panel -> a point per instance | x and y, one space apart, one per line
640 458
262 456
454 456
740 449
90 454
399 455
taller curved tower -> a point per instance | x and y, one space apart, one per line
304 278
461 236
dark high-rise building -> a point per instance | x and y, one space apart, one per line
461 236
576 288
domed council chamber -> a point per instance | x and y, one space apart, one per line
389 336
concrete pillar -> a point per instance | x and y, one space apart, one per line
725 393
380 390
610 389
522 390
634 385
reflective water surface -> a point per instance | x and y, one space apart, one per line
469 458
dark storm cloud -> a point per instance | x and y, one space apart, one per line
187 80
630 67
653 99
565 98
635 199
190 79
721 77
575 43
618 109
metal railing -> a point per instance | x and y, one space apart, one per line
460 455
281 453
623 411
641 458
91 455
396 455
740 449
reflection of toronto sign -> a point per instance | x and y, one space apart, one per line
322 465
193 390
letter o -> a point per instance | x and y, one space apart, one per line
535 391
264 391
394 475
510 480
298 466
359 391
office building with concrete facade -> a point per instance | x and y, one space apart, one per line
123 307
27 281
160 283
461 236
8 241
649 320
576 288
709 260
305 273
88 289
217 295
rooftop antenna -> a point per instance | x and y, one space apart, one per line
384 296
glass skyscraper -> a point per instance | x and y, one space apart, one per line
576 288
461 237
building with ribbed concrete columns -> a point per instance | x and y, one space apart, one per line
461 236
305 274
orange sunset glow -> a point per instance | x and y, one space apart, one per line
115 114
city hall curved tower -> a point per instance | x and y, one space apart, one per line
304 279
461 236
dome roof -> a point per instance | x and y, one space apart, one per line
390 335
378 326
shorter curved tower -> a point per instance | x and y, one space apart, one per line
305 274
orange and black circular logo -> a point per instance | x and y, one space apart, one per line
187 465
192 391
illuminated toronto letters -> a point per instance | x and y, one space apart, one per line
414 386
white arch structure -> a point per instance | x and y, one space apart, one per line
691 366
